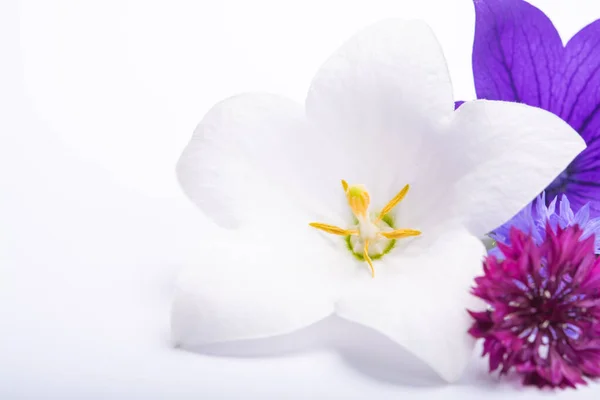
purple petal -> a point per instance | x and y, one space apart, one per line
541 211
583 182
577 99
516 52
552 206
593 228
496 252
582 216
565 210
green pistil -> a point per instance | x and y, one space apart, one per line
389 220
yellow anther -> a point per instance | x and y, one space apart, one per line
400 233
358 200
334 229
345 185
393 203
368 258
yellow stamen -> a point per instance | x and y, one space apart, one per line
368 259
400 233
345 185
358 200
334 229
393 203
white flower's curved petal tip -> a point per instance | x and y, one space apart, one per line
421 302
521 148
390 76
218 168
254 289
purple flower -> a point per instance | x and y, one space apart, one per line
519 56
543 319
534 218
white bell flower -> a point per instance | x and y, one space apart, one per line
379 117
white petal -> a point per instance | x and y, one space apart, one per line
383 77
254 285
507 153
419 299
380 95
223 168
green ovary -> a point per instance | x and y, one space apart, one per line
389 221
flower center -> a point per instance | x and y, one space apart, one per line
372 235
378 245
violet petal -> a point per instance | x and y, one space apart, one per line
516 52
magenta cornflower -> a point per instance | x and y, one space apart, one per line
543 319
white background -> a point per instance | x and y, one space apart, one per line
97 100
